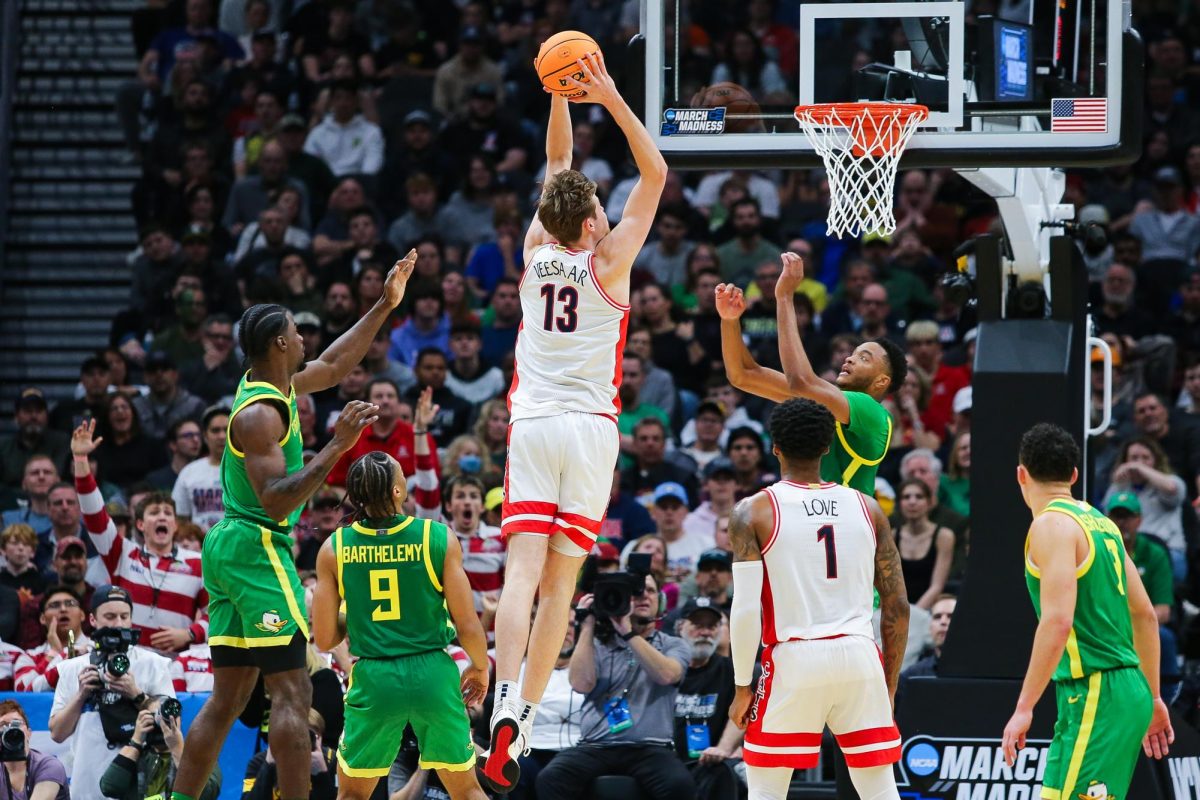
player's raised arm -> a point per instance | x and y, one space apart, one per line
744 372
1052 540
560 141
329 628
893 597
461 605
1160 734
745 617
621 246
802 380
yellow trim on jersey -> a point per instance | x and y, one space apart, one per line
1029 565
429 564
1083 568
463 767
242 642
1073 655
858 461
1085 731
361 773
284 584
278 397
337 554
1051 794
376 532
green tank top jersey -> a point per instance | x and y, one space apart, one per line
237 494
1101 635
858 446
391 579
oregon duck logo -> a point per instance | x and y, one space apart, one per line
1097 791
271 622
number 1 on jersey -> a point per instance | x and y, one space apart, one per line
825 534
569 298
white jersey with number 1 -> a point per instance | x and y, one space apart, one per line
568 354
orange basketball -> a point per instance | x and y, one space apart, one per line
557 58
736 100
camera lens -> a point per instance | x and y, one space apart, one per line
12 739
170 708
118 664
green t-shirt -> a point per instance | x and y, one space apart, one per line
1154 567
858 446
628 418
955 493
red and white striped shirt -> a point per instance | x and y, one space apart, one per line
426 488
192 671
167 591
484 554
36 670
9 654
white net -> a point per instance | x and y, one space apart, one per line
861 144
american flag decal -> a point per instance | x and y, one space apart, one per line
1079 114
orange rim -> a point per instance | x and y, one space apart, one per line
882 123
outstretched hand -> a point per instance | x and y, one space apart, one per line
600 87
792 275
426 411
397 278
731 303
83 440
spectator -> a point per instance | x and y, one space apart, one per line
668 510
33 437
675 346
289 203
66 523
926 548
456 77
74 715
332 35
325 516
39 477
41 776
170 590
484 550
198 492
352 386
268 112
1118 313
309 170
876 314
1170 236
427 327
184 442
907 407
1153 564
666 259
650 468
955 486
926 467
421 218
454 414
62 616
388 434
466 219
627 518
926 350
1143 470
712 582
364 265
940 615
705 738
339 315
419 152
720 487
658 387
263 262
215 374
483 130
262 780
1178 437
629 673
633 409
745 450
252 194
841 315
503 258
19 543
747 66
345 139
501 321
741 255
93 377
145 767
181 338
556 726
470 378
719 390
167 403
380 365
459 307
1183 324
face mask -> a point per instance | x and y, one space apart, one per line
470 463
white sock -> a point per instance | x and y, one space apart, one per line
506 698
526 713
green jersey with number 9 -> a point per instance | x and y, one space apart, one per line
390 575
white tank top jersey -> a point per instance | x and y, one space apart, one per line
819 564
572 334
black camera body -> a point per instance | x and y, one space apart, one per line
614 591
12 742
110 652
168 708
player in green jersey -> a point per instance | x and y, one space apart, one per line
864 427
402 582
257 624
1097 634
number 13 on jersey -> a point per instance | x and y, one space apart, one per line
567 300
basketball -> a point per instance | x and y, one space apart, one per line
735 100
556 61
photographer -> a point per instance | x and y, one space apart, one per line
27 774
99 695
629 672
262 772
145 767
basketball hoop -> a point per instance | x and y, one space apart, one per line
860 144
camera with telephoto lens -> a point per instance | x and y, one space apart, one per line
110 652
12 742
614 591
168 709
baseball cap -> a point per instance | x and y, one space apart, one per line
700 604
67 542
711 406
1098 356
327 498
307 319
1168 175
418 117
970 335
606 552
721 558
92 364
158 360
1093 213
1125 501
718 466
108 594
291 122
494 498
117 509
670 489
31 396
962 400
484 90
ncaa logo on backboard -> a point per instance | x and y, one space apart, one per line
922 759
693 120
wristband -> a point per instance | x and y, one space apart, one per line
141 698
420 433
625 637
139 746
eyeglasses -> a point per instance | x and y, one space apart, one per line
56 605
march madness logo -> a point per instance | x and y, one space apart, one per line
693 120
934 768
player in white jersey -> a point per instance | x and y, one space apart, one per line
563 440
806 557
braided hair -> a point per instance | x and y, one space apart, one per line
369 483
260 325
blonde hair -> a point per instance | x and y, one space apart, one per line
485 413
21 532
450 464
566 204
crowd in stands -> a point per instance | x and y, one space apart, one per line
292 151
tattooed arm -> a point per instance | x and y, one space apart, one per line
893 597
750 523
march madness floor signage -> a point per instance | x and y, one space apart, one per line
946 768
